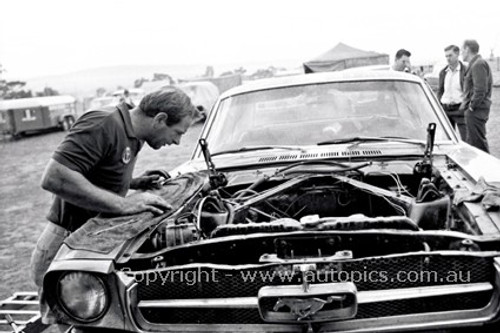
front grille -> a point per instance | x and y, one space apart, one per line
230 283
365 311
424 305
202 316
222 283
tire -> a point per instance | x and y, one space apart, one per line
16 136
67 123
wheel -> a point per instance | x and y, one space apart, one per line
16 136
67 123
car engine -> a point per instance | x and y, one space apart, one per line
313 214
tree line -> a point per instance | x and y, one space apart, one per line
17 89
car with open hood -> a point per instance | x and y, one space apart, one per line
332 202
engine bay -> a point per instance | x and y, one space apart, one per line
306 214
310 198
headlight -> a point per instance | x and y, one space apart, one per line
82 295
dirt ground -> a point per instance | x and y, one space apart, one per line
23 204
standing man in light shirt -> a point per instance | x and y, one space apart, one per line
450 91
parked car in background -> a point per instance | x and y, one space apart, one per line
333 202
27 115
135 95
100 102
203 95
433 78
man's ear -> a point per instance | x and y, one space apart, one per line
160 119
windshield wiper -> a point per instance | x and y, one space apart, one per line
253 148
216 179
361 139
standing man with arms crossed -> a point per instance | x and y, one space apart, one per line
478 84
450 91
91 170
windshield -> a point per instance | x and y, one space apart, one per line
309 114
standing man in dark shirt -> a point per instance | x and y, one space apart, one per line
478 84
91 170
450 90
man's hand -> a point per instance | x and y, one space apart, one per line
149 180
73 187
144 202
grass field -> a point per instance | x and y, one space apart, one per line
23 204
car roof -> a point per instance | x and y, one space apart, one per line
340 76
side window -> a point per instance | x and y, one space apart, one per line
29 115
3 117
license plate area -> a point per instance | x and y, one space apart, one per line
319 303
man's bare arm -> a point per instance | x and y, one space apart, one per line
74 188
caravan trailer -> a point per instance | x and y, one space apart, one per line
20 116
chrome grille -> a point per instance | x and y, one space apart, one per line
365 311
230 284
202 316
423 305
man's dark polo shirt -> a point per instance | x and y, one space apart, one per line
103 148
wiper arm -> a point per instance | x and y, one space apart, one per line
253 148
217 179
361 139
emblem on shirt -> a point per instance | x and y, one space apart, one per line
127 155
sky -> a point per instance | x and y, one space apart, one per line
50 37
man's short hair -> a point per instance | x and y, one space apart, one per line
173 101
402 52
453 48
472 44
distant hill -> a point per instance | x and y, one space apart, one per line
84 83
